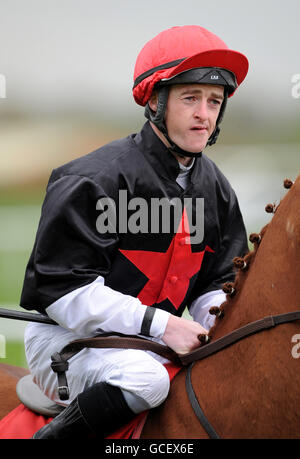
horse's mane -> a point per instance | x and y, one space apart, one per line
242 266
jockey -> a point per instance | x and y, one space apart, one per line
93 279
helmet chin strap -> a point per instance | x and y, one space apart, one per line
173 148
158 118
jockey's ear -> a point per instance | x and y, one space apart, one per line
153 101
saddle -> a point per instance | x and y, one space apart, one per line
35 404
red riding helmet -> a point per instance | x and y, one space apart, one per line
187 54
178 49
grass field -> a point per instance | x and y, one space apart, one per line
19 216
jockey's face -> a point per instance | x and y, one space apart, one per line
191 114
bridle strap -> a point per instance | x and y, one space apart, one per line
60 359
223 342
196 405
238 334
114 340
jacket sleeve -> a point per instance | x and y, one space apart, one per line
199 308
70 259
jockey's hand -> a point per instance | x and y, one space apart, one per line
181 334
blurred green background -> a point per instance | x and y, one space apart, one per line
68 67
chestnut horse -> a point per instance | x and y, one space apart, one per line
251 388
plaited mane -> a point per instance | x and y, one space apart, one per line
242 265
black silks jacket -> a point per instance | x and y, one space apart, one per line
160 268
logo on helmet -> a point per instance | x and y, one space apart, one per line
214 77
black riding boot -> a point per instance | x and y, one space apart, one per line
101 409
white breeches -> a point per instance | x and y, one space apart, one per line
138 372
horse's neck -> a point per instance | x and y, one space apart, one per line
271 284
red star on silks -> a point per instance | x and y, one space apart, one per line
168 272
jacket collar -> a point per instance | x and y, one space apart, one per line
159 156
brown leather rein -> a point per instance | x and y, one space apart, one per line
60 359
114 340
221 343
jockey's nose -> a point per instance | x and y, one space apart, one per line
201 111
